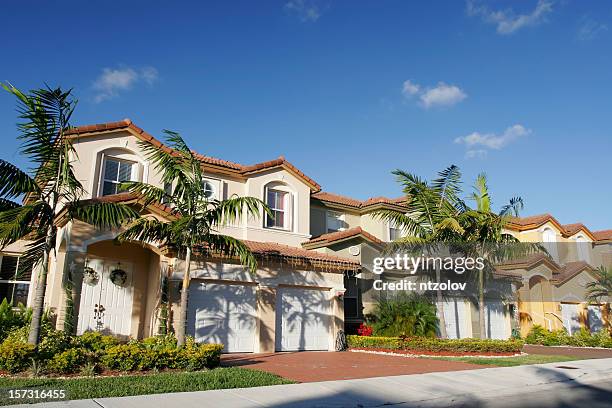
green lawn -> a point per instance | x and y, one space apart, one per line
512 361
97 387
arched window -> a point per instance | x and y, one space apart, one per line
550 242
583 248
116 166
279 198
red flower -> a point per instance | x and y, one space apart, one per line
364 330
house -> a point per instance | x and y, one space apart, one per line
315 260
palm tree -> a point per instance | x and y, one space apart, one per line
431 216
601 289
195 217
484 237
46 188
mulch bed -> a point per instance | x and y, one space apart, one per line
418 353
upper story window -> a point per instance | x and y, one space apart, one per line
115 172
211 189
335 221
14 287
278 201
583 248
549 239
395 232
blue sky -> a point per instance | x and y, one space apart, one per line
347 91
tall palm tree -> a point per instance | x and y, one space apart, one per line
431 216
195 217
484 236
46 188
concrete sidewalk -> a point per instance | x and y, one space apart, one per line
485 387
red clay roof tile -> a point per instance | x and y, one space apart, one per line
340 235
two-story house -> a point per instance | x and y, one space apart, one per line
315 259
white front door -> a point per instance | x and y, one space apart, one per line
571 317
496 321
303 319
224 314
595 319
106 306
456 318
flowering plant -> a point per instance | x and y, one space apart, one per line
364 330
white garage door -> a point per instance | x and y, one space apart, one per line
571 318
456 319
303 319
595 319
496 323
223 314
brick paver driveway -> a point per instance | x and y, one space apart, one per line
309 366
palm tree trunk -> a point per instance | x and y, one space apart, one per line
39 297
182 323
481 305
440 305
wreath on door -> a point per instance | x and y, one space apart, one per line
119 277
90 276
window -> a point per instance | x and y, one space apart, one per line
210 189
335 221
394 232
583 248
116 172
278 201
14 286
550 242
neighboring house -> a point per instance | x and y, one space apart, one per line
553 291
315 260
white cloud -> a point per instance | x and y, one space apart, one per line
478 143
114 81
442 95
305 10
410 88
476 154
507 21
590 29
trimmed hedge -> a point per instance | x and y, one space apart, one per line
584 338
427 344
60 353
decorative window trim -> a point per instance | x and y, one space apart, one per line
289 209
135 171
217 185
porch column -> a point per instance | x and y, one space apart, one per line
266 318
72 283
337 300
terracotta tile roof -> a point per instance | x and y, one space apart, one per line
536 221
340 235
529 262
267 249
239 168
336 198
127 198
569 270
352 202
604 235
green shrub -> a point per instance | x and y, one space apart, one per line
15 356
96 341
405 314
54 342
584 338
68 361
123 357
11 319
193 356
428 344
166 341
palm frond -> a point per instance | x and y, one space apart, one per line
15 182
481 193
513 208
230 246
102 214
147 230
230 210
